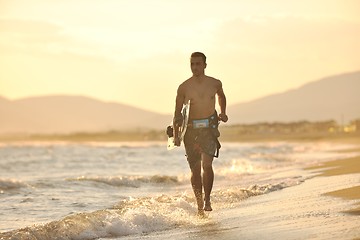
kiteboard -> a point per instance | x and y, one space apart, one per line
174 131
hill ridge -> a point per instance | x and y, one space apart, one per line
330 98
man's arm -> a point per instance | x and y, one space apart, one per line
177 121
179 102
222 102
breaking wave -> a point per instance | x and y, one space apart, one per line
138 216
130 181
10 184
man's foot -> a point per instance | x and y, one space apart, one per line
207 206
201 213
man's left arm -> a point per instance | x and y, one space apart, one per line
222 102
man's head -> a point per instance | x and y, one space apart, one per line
198 63
199 54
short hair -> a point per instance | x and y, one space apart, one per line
199 54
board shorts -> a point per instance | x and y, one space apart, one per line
202 140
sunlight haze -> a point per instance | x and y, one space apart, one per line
137 52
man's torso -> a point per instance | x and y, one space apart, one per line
202 95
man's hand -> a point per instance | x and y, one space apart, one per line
223 117
178 119
177 141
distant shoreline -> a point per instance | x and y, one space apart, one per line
158 135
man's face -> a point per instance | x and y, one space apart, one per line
197 66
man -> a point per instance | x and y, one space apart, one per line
201 140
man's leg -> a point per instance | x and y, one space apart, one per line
208 179
197 185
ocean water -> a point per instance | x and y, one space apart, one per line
113 190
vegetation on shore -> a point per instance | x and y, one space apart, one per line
303 130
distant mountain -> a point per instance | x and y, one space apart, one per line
66 114
335 97
2 99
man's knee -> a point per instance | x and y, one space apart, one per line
195 166
207 168
207 163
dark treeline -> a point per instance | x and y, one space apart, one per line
301 130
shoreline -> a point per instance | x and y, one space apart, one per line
325 206
310 210
342 167
159 135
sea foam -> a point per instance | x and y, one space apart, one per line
138 216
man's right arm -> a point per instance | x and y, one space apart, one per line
179 101
177 121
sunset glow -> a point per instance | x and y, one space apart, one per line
137 52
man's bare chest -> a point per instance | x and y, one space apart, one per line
201 92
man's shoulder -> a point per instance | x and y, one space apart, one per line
184 86
215 81
185 83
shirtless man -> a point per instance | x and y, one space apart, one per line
201 144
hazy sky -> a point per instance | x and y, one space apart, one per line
137 51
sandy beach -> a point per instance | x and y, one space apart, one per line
342 167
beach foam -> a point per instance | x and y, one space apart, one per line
129 181
138 216
11 184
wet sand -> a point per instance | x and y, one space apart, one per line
342 167
349 193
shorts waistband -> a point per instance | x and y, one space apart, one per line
209 122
